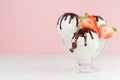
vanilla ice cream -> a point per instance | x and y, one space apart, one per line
67 25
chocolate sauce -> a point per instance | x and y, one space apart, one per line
97 17
65 15
80 33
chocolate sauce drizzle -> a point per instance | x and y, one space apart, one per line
65 15
97 17
80 33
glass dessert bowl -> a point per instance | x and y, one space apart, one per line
85 55
84 37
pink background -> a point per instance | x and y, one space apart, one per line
29 26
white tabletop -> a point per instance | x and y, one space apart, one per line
55 67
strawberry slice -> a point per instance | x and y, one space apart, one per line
106 32
89 22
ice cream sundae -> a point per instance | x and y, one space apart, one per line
84 37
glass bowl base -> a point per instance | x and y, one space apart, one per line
88 69
85 69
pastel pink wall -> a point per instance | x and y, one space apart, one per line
29 26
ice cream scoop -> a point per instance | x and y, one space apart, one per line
99 20
67 25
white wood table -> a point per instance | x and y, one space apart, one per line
55 67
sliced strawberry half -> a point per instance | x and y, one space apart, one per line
89 22
106 32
